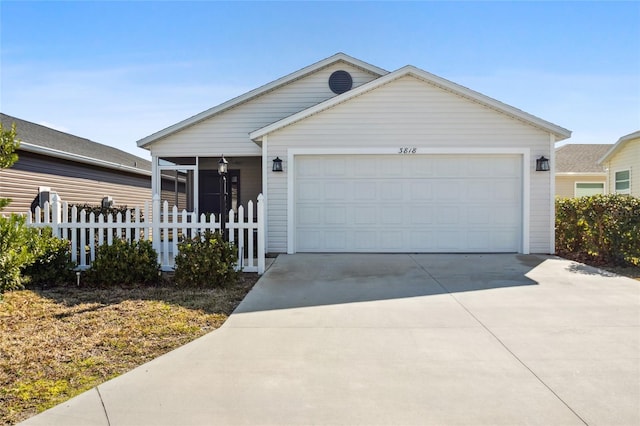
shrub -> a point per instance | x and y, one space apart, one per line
15 254
52 264
125 263
604 228
206 261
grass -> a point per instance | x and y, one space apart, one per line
57 343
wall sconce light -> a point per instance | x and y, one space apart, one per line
542 164
277 164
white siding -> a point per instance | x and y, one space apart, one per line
627 158
409 112
228 132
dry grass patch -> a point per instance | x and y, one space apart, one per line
57 343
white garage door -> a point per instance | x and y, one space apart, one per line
408 203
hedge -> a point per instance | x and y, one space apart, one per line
600 228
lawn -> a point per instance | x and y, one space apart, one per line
57 343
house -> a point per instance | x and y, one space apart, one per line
578 172
353 158
79 170
622 165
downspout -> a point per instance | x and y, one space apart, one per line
154 175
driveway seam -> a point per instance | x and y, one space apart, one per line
104 408
497 339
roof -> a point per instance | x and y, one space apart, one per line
619 144
580 158
44 140
338 57
560 132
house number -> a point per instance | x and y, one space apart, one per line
407 150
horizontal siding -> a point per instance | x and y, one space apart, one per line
566 185
627 158
228 132
22 187
412 113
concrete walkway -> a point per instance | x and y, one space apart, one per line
397 339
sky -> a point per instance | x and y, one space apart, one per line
117 71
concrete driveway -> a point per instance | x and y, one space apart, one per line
398 339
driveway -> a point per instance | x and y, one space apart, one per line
398 339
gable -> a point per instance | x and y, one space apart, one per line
558 132
228 131
407 110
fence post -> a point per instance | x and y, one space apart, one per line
261 226
55 215
155 225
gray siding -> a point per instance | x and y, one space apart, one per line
74 182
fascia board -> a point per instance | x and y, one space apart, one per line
623 140
560 132
81 158
143 143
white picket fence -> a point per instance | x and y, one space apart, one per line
164 227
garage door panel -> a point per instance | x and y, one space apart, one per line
421 190
421 214
425 204
335 216
335 166
446 190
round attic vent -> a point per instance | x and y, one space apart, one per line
340 82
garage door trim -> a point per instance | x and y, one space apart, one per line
293 152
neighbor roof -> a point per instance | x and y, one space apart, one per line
47 141
560 132
338 57
618 145
580 158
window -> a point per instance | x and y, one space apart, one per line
589 188
623 182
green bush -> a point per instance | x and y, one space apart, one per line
52 261
604 228
206 261
15 253
124 263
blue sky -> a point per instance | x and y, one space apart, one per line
115 72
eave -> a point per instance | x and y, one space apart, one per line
145 142
50 152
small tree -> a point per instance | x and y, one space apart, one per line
9 143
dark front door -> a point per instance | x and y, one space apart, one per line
209 191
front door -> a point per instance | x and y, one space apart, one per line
209 191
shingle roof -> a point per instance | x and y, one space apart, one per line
52 142
580 158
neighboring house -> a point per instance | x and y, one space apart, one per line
578 172
622 165
78 170
373 161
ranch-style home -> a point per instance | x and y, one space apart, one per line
578 173
353 158
79 170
